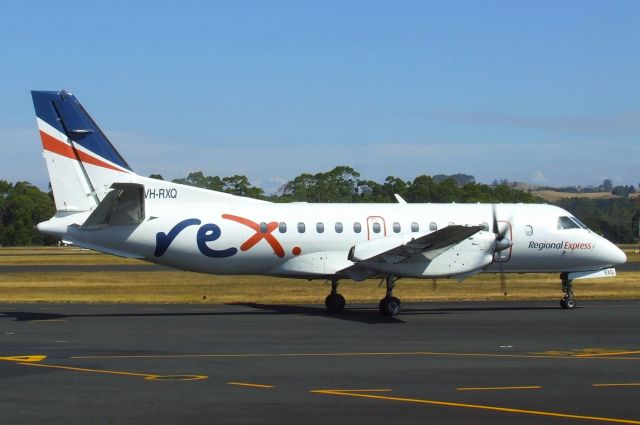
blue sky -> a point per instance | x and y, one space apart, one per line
544 92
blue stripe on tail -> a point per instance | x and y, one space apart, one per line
62 111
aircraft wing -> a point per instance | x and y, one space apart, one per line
398 248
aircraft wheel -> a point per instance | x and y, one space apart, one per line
568 303
390 306
334 302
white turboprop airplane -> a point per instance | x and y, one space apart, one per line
104 206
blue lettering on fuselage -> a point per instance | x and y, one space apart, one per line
206 233
209 233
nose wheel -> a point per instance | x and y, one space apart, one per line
390 305
567 302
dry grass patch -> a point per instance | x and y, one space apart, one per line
553 196
186 287
58 256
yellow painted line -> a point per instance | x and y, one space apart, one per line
609 354
479 407
629 384
82 369
347 354
24 359
247 384
147 376
530 387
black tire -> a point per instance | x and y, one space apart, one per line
563 303
335 302
390 306
570 303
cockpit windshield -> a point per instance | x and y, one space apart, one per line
570 223
579 223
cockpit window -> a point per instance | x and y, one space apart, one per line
579 223
566 223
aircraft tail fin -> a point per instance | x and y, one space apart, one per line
81 161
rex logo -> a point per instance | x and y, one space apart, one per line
211 232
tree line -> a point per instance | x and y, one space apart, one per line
23 205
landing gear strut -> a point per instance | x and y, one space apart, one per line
567 302
390 305
334 301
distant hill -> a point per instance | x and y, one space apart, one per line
460 179
554 195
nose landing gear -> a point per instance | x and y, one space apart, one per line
567 302
334 301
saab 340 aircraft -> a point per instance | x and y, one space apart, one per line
104 206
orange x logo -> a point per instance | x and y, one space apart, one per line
258 236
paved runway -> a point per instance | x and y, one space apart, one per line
439 363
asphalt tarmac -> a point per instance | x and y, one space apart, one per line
437 363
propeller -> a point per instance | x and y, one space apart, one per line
501 243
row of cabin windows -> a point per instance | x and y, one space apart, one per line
339 228
357 227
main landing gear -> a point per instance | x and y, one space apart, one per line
390 305
334 301
567 302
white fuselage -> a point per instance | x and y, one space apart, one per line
313 240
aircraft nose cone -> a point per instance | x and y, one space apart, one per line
615 255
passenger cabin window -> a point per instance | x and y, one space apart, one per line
357 227
320 227
528 230
566 223
263 227
415 227
282 227
433 226
301 227
338 227
396 227
376 227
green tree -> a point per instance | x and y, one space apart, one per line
239 185
22 207
421 189
198 179
337 185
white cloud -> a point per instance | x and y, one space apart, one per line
539 177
